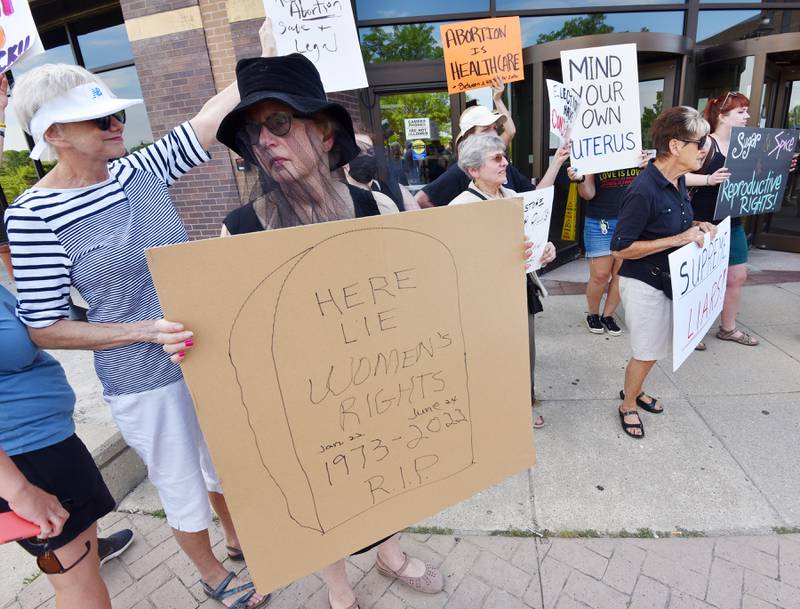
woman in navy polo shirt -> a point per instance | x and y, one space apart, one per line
655 218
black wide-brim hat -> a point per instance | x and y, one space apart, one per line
294 81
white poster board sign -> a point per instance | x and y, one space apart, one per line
699 278
18 34
538 208
607 134
564 106
418 128
325 32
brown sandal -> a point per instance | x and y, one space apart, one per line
743 338
430 582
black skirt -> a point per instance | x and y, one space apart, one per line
66 470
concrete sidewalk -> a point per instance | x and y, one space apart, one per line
722 462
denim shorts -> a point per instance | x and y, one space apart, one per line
595 241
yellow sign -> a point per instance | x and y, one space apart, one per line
569 228
476 52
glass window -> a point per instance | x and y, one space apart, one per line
389 9
57 50
421 160
510 5
536 30
719 27
125 83
651 102
714 79
409 42
103 40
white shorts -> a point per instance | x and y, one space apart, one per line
648 315
161 426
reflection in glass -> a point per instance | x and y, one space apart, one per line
509 5
786 221
124 82
105 47
420 160
715 79
719 27
388 9
536 30
409 42
651 102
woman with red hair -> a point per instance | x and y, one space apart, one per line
723 113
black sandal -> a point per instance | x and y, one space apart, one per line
626 427
648 406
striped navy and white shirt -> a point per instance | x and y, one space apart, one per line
94 239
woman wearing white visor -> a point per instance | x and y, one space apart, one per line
87 224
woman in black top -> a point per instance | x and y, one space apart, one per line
295 137
655 218
724 113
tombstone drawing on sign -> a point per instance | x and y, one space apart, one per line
759 161
379 366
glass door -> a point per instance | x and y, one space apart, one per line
417 135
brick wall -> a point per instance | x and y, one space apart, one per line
178 73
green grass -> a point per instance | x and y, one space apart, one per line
786 530
30 579
516 533
429 530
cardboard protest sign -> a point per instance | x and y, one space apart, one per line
699 279
758 160
325 32
537 208
608 132
418 128
353 378
564 104
18 34
475 52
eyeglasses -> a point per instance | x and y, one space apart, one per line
701 143
497 158
104 122
367 150
278 123
49 563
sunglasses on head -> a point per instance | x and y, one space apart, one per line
104 122
278 123
730 95
701 143
49 563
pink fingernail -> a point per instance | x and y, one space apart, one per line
189 342
181 354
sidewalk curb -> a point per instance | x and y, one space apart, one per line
121 467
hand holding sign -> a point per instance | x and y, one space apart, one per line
477 53
537 207
564 104
18 34
325 32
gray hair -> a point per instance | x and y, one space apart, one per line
42 84
677 123
473 150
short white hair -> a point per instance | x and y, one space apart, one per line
43 83
473 150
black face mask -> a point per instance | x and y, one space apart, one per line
364 168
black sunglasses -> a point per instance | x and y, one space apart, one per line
278 123
104 122
49 563
701 143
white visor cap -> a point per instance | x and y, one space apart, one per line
81 103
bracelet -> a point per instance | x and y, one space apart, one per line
3 133
2 125
707 178
581 181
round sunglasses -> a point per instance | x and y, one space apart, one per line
278 123
49 563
